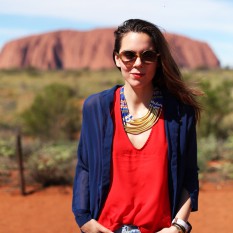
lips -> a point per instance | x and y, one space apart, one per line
138 75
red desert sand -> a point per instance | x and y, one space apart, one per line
49 210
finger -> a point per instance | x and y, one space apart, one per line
103 229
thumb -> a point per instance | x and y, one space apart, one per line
103 229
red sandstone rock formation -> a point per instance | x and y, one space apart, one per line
92 49
192 54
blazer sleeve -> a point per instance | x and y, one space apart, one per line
81 190
191 183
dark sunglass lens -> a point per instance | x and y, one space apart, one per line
128 56
149 56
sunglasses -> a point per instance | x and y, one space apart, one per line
147 57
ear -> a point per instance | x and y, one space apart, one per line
117 61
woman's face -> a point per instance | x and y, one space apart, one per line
137 73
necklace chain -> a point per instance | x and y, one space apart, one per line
142 124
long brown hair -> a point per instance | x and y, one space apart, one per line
168 75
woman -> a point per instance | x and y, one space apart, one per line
137 157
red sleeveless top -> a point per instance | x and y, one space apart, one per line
139 181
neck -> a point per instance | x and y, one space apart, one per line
138 99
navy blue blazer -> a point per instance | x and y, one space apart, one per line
92 178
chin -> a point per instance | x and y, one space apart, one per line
137 84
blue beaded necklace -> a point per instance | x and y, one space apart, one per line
142 124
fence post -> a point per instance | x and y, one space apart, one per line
19 154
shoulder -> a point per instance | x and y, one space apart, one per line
177 109
101 101
100 98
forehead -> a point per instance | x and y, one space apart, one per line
136 41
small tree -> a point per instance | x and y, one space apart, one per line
54 113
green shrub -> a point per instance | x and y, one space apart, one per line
228 149
227 170
7 159
54 113
53 164
220 151
207 151
7 148
217 104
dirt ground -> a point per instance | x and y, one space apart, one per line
49 210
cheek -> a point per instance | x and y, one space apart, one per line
124 68
152 69
124 71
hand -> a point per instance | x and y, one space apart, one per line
93 226
170 229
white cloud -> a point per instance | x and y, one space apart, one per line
181 13
13 32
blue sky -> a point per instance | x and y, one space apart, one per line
206 20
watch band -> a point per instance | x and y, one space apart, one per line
178 227
182 223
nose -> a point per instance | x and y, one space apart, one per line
138 62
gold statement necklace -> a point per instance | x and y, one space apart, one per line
142 124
